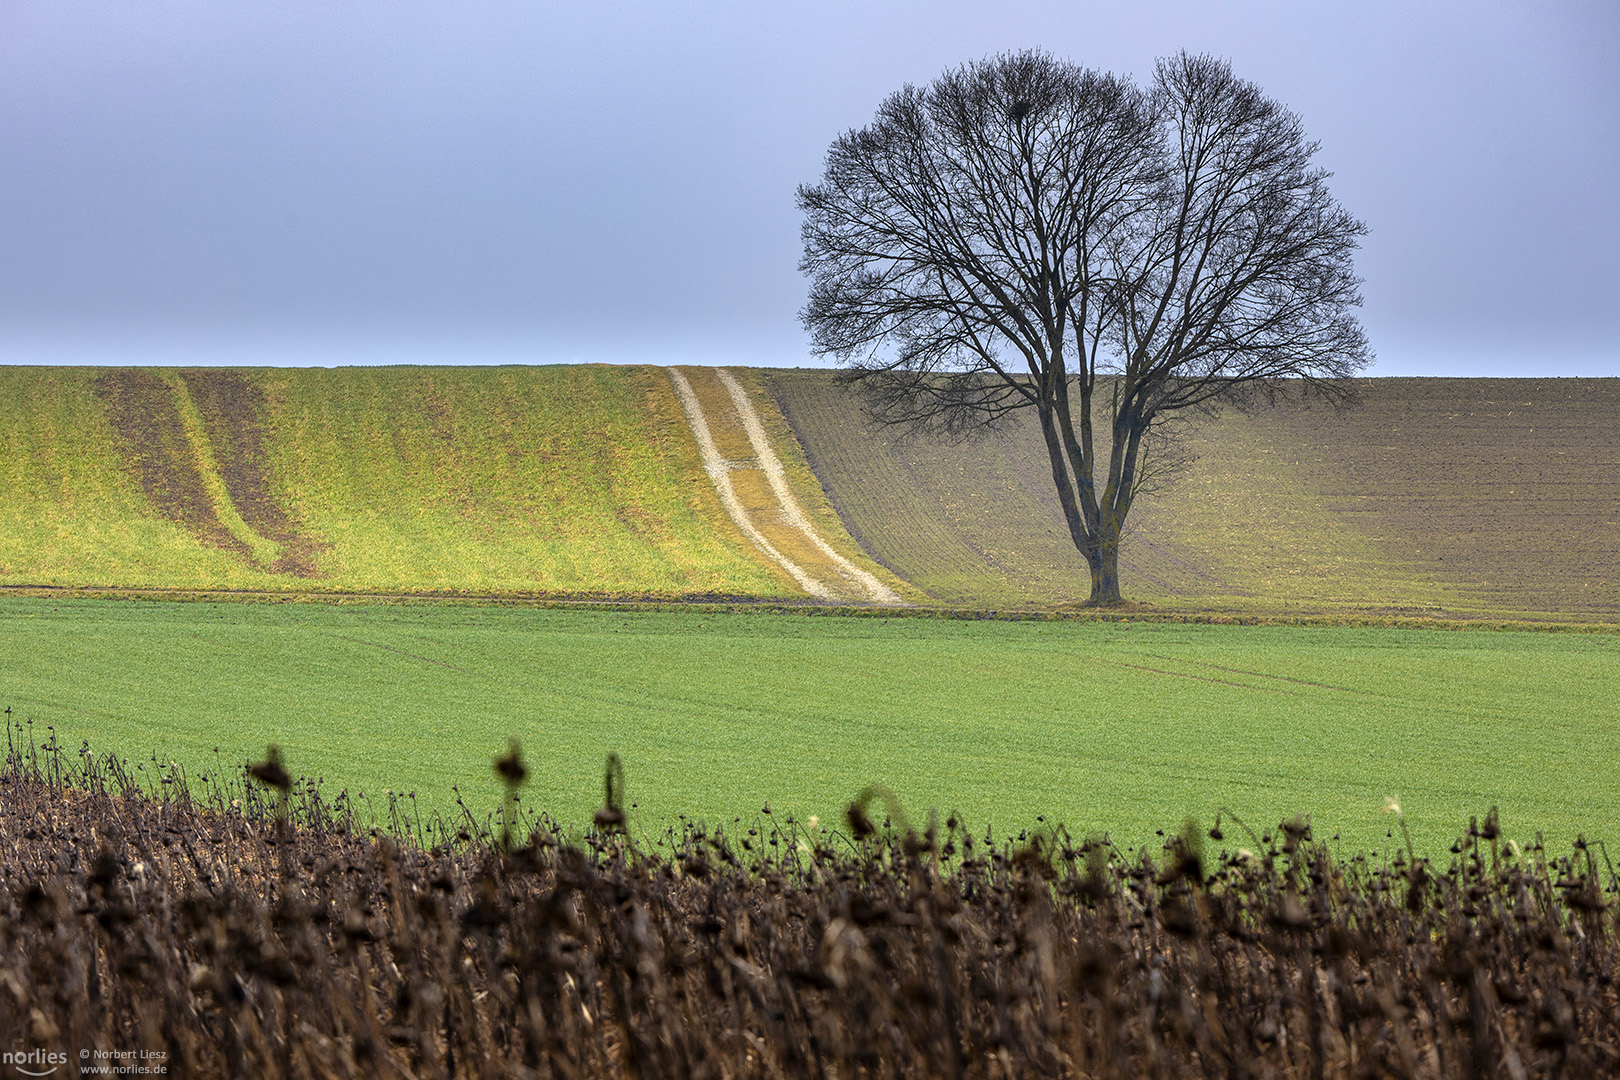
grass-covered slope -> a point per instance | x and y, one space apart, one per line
1436 495
92 499
481 480
578 479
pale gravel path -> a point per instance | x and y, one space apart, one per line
875 590
719 470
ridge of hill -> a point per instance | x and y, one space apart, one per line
1433 497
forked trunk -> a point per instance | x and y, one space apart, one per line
1104 562
1100 543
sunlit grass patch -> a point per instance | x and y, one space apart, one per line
469 480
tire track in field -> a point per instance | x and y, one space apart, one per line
1189 675
232 409
1261 674
787 512
792 513
719 470
402 652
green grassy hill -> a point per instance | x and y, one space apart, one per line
518 480
1464 496
1436 496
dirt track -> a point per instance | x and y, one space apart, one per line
752 485
719 470
868 584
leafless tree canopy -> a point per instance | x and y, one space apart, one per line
1024 233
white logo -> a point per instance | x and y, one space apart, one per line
21 1059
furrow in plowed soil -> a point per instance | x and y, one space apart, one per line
233 408
1433 495
142 411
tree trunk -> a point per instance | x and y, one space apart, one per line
1100 545
1104 562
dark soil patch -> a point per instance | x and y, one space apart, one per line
142 411
233 408
1508 489
1503 492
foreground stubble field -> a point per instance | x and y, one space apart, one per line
207 938
1103 726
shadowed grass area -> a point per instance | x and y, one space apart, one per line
1118 727
1465 496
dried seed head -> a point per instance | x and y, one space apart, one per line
271 772
860 826
611 816
613 783
510 768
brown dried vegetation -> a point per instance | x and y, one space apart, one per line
254 935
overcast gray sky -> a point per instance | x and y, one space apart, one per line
338 181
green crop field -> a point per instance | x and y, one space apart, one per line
1103 726
1436 496
474 480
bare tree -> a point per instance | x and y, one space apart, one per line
1024 233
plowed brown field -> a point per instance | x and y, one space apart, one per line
1504 490
1433 496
